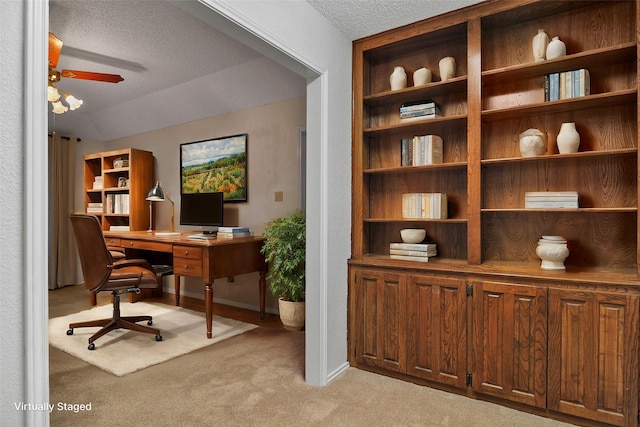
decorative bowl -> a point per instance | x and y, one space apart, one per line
413 235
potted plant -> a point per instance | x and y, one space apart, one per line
284 250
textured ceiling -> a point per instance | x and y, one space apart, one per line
360 18
178 69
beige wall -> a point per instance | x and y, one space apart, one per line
272 166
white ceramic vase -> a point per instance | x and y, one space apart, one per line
539 44
552 254
568 139
447 67
556 48
398 78
532 143
421 76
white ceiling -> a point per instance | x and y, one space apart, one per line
177 69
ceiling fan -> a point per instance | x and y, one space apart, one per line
55 47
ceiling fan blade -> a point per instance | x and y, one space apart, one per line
87 75
55 46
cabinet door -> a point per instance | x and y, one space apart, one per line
380 319
510 341
593 355
437 329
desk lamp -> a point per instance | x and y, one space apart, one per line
156 194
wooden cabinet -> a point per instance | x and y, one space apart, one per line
510 344
379 317
437 329
510 349
593 355
116 184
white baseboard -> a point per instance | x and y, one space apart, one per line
335 374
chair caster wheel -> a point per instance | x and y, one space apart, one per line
158 337
150 322
92 346
69 331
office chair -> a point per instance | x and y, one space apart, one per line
102 274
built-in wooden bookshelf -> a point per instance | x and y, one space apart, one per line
116 183
482 318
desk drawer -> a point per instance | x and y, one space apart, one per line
187 267
145 245
113 241
190 252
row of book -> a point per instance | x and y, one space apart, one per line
420 252
233 232
117 203
551 199
421 150
419 110
424 205
568 84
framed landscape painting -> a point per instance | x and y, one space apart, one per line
212 165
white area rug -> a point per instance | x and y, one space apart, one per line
121 352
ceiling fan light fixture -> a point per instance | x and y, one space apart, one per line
52 93
74 103
59 107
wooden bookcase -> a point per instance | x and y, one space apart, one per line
482 318
137 176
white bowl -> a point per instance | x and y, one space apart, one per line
413 235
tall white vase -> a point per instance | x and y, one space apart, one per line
421 76
398 78
539 45
447 68
568 139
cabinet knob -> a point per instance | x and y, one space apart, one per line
131 243
186 252
186 266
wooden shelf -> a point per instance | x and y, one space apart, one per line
139 174
599 101
417 127
619 53
483 307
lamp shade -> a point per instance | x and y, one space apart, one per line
156 194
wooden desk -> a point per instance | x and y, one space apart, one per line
206 259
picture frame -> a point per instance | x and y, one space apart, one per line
216 164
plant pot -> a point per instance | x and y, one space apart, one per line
292 314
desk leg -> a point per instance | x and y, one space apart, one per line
208 298
176 285
263 289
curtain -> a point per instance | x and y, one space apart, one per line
63 255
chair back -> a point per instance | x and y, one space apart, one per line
95 258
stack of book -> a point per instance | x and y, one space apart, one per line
421 150
233 232
551 199
94 208
119 228
424 205
419 110
568 84
420 252
97 183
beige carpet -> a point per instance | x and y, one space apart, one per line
121 352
